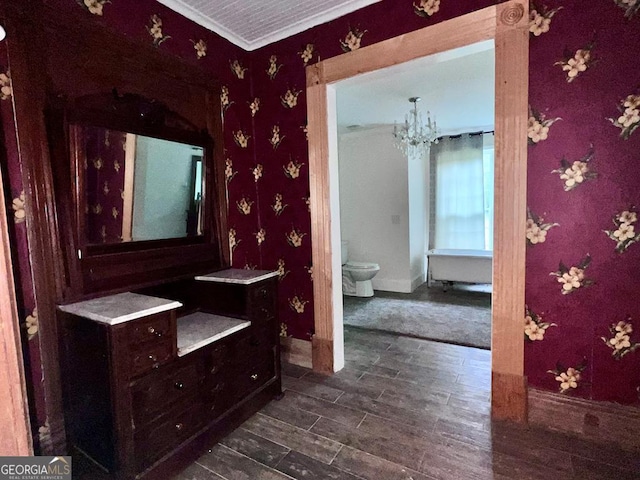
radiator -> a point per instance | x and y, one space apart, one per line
468 266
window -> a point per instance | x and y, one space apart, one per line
463 192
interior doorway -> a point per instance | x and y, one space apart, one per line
507 24
392 200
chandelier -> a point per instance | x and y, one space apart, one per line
414 136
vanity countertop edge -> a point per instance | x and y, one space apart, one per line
239 276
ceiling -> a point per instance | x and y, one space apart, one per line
251 25
456 86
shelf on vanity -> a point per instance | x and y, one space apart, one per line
120 308
240 276
199 329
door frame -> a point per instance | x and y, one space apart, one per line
508 25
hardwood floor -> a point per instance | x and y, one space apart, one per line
402 409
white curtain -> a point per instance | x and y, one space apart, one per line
463 193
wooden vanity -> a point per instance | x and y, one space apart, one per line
148 377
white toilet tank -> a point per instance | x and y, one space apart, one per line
344 251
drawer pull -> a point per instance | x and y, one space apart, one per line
151 330
218 387
215 369
153 358
254 376
263 292
179 426
179 385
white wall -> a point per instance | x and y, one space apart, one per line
383 213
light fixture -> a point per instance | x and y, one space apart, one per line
414 136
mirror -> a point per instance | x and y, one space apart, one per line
138 188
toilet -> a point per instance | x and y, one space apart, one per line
356 276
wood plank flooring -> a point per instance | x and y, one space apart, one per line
402 409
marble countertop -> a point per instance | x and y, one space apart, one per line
238 275
199 329
114 309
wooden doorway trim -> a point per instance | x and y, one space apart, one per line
508 25
14 413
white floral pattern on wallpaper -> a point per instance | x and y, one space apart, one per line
233 240
18 206
573 278
629 119
274 67
244 206
275 138
540 18
200 47
534 326
297 304
568 378
155 30
6 90
31 324
619 339
625 234
537 229
278 205
261 236
290 98
352 40
292 169
538 126
237 69
95 7
241 138
254 106
282 270
306 54
225 100
426 8
229 172
630 7
578 62
257 172
577 172
294 237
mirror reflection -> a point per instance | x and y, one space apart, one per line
139 188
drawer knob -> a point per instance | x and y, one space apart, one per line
215 369
254 376
179 426
153 358
263 292
179 385
151 330
218 387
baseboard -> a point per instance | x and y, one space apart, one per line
419 280
390 285
602 422
296 351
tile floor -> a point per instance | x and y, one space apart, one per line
402 409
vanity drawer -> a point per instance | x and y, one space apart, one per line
262 370
151 357
156 392
262 301
153 328
166 433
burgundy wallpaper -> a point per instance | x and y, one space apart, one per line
582 315
105 152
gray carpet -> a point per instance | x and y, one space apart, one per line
460 315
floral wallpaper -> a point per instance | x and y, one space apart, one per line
584 180
583 171
105 169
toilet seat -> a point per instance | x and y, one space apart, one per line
361 265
